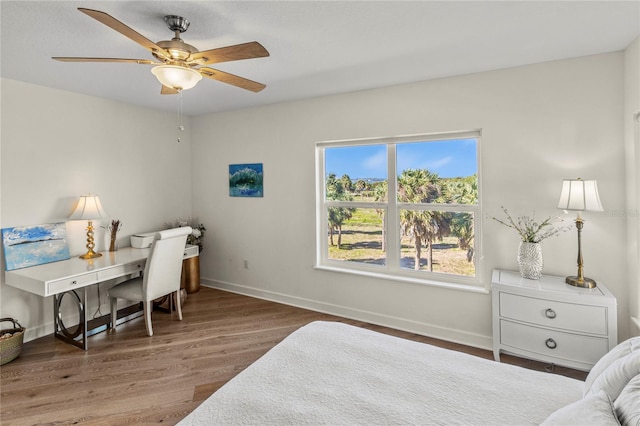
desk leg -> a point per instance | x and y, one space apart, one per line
77 336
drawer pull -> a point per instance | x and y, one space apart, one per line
73 283
551 344
550 313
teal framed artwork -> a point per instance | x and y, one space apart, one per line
26 246
246 180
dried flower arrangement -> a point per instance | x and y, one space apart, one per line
530 230
113 231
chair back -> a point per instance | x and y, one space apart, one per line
164 264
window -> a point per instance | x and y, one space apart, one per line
404 207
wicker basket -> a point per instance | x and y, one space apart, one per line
10 346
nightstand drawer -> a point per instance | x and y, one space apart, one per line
68 284
553 343
560 315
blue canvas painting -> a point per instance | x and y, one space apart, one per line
245 180
34 245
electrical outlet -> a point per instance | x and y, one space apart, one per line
246 264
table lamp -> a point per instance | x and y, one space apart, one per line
89 208
580 195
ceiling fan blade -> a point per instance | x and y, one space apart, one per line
126 31
234 80
250 50
168 90
76 59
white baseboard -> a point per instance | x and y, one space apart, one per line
448 334
39 331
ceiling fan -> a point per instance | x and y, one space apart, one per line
178 65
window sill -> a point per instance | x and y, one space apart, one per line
473 288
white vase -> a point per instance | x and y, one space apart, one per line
530 260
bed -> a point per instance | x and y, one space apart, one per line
330 373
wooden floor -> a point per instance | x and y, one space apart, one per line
127 377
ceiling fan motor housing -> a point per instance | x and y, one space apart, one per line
179 50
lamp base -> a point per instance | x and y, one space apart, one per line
580 282
90 255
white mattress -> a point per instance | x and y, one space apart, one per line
332 373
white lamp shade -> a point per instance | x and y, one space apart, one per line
176 77
578 194
89 208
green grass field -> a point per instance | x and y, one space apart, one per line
362 242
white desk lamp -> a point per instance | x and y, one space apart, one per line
580 195
89 208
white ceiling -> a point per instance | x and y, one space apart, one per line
317 47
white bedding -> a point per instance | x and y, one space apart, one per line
332 373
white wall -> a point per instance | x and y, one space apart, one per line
540 124
632 150
57 146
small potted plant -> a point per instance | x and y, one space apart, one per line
197 234
191 271
532 233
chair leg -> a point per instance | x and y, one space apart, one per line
114 312
148 307
178 305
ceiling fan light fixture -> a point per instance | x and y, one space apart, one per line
176 77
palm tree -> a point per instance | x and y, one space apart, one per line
347 185
421 186
380 191
337 215
361 185
463 191
462 227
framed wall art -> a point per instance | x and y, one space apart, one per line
26 246
245 180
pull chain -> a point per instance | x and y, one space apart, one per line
180 125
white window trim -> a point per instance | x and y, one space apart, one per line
392 270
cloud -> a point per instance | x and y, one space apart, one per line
415 160
436 164
377 162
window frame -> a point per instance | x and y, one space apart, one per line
392 269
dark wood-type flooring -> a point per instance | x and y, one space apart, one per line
127 377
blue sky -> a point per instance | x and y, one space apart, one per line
451 158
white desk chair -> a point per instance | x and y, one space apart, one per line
161 276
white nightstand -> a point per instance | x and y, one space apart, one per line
550 321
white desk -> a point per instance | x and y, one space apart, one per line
72 276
